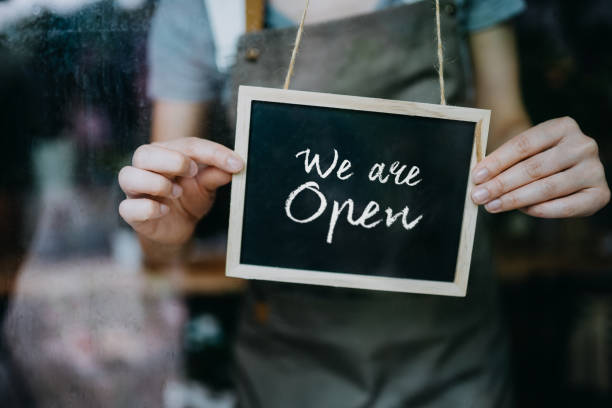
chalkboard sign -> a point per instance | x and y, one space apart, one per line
354 192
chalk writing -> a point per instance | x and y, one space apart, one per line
365 220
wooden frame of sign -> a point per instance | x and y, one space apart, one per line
236 268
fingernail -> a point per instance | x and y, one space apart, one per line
177 191
494 205
480 195
234 164
164 209
481 175
193 169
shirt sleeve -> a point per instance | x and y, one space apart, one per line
181 53
481 14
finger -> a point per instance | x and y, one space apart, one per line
526 144
534 168
207 152
580 204
557 185
137 210
158 159
135 182
211 178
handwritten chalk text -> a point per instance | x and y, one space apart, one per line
379 172
371 210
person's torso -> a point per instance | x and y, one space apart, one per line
304 345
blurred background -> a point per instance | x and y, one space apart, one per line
85 318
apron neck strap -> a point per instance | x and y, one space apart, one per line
254 15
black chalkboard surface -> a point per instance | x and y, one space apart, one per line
355 192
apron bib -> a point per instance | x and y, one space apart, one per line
386 54
314 346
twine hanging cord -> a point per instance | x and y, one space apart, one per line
300 30
440 55
298 38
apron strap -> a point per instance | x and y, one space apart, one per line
254 15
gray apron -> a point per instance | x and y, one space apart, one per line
314 346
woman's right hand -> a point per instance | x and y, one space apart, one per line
171 185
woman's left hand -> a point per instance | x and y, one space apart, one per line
551 171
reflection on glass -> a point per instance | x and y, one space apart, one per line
88 325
